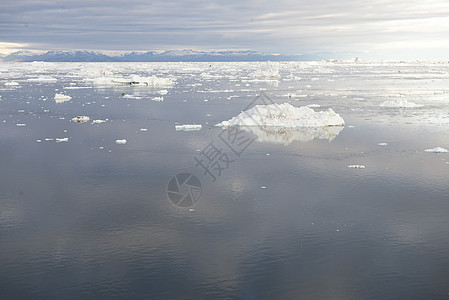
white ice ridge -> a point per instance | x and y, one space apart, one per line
285 115
437 150
60 98
152 81
400 103
187 127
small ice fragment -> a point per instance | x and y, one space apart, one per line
263 187
60 98
382 144
11 83
162 92
157 99
356 166
120 142
187 127
437 150
191 209
21 110
39 141
49 139
20 125
81 119
98 121
143 129
59 140
101 147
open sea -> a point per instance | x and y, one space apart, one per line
353 212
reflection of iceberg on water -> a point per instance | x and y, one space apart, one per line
281 135
284 123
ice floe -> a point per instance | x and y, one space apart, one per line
437 150
400 103
285 115
188 127
356 166
98 121
60 140
120 142
60 98
81 119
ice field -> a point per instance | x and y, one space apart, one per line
339 188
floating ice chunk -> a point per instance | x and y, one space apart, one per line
20 125
356 166
162 92
98 121
12 83
382 144
143 129
120 142
81 119
39 141
43 79
128 96
60 98
157 99
188 127
285 115
400 103
437 150
59 140
314 105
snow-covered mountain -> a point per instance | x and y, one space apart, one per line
150 56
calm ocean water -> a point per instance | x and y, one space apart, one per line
285 218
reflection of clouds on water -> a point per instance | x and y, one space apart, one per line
282 135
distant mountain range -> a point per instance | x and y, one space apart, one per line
152 56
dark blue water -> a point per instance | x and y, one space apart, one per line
91 219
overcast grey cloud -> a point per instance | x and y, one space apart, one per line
414 29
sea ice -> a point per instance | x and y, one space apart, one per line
157 99
400 103
60 98
437 150
120 142
98 121
285 115
81 119
11 83
356 166
59 140
188 127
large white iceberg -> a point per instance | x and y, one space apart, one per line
285 115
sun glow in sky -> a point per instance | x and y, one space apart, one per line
374 29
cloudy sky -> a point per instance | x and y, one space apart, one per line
372 29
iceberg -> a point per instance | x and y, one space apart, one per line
61 98
188 127
285 115
120 142
437 150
